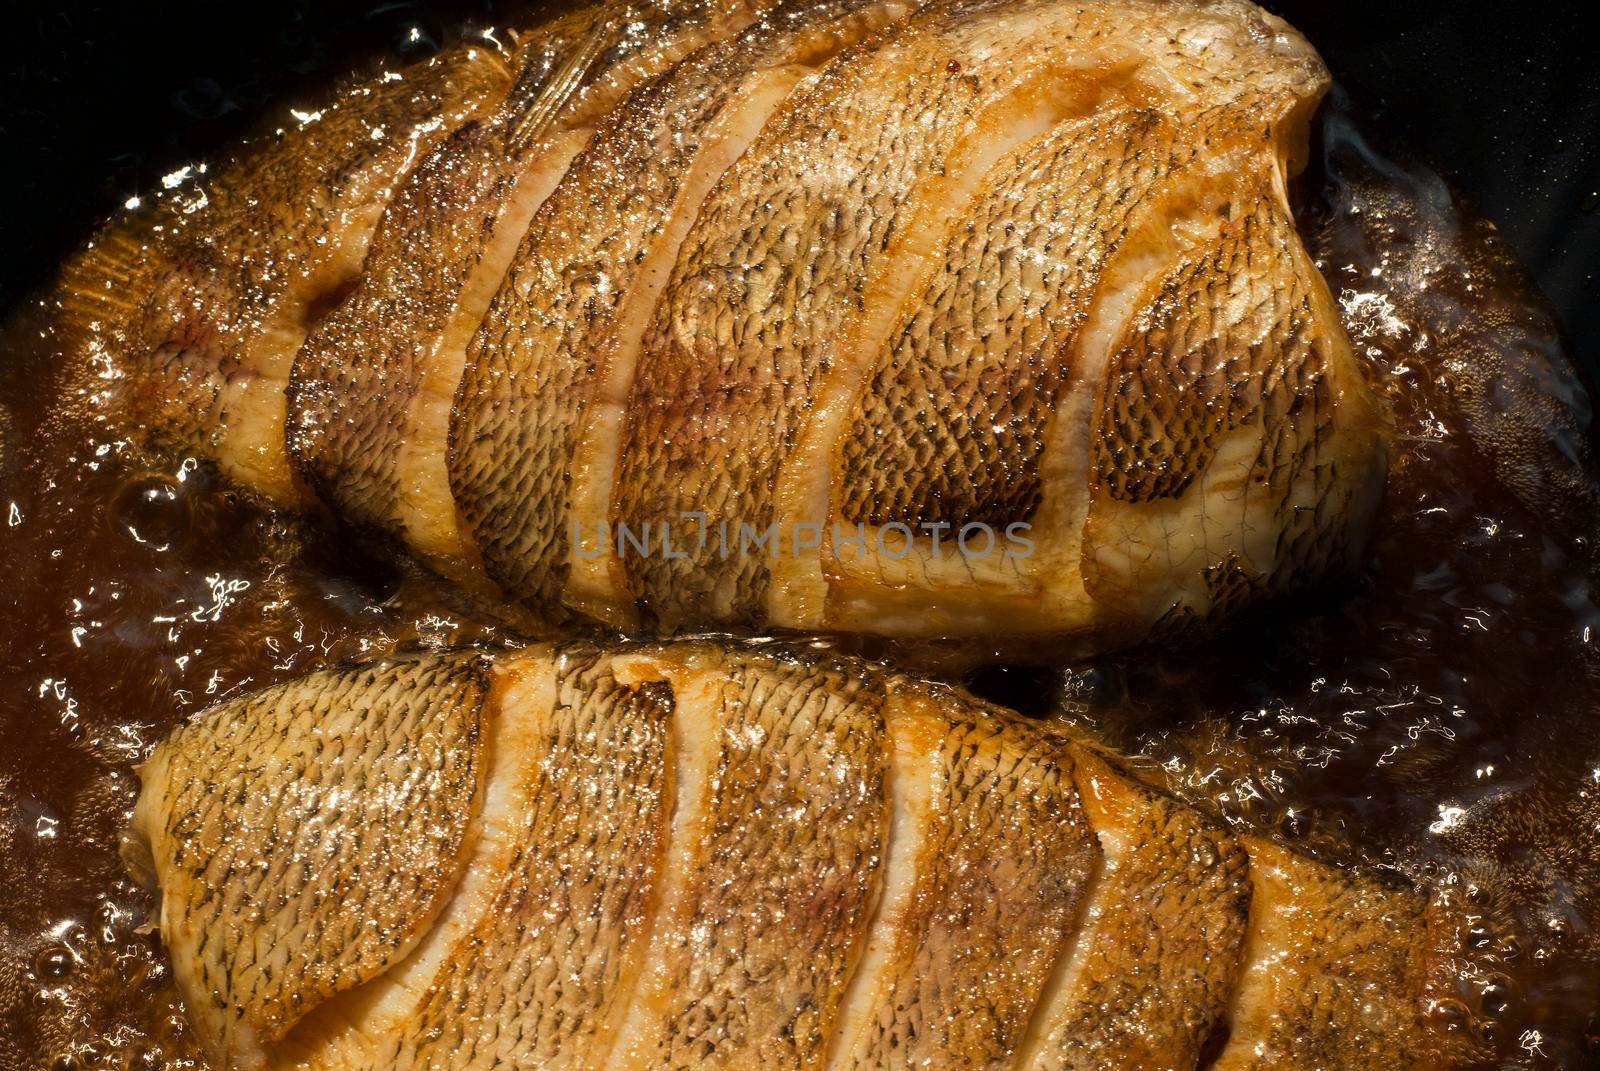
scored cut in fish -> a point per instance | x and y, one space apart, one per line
372 388
347 773
544 398
699 855
984 318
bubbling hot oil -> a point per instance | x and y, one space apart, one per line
137 595
1436 720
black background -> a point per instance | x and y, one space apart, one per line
98 100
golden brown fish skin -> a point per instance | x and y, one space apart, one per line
1220 61
349 394
786 293
580 888
710 854
550 338
1235 444
1158 954
770 273
372 387
187 315
1314 994
926 328
318 862
1092 582
356 379
972 415
371 1026
782 851
1002 858
986 346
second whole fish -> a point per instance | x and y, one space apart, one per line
704 855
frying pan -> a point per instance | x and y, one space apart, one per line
99 99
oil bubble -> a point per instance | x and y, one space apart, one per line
1450 1015
1495 997
54 962
419 40
173 1027
153 511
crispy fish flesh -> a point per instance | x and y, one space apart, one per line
702 855
984 318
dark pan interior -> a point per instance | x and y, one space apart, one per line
1504 100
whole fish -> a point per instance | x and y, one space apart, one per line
702 855
980 318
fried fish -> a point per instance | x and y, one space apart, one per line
984 318
699 855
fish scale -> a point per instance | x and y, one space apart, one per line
549 996
670 315
358 376
394 748
1149 981
718 855
374 385
1001 863
535 435
1224 381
